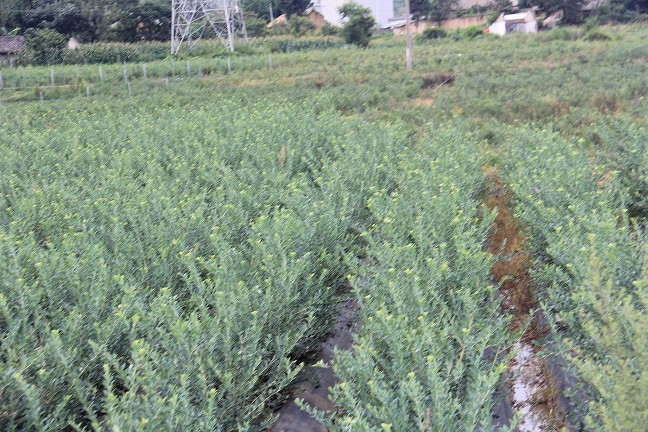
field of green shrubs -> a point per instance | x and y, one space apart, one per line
175 235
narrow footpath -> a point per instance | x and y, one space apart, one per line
532 389
314 386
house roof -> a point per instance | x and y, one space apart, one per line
393 24
515 16
11 44
281 19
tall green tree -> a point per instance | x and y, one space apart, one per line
420 8
573 9
441 9
358 22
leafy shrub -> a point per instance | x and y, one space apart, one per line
359 22
44 46
622 146
172 272
616 367
590 269
256 26
292 45
560 33
433 33
428 312
471 32
596 35
300 26
115 53
330 30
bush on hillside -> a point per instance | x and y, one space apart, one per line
433 33
596 35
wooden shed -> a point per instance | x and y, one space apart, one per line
10 46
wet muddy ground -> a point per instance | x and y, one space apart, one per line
533 391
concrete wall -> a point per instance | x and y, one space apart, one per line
417 27
464 22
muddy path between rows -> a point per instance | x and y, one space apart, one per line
532 387
313 384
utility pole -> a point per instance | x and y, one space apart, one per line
191 18
408 36
271 18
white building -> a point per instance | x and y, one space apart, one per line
383 10
522 22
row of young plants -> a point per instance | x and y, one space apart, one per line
169 269
593 272
430 346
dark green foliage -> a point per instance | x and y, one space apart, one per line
573 9
433 33
441 9
255 25
420 9
592 270
303 44
330 30
596 35
357 27
44 46
290 7
62 16
147 22
300 26
471 32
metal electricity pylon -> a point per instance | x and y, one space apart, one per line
191 19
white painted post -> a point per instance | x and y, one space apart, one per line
144 71
100 73
130 90
23 73
408 36
125 73
52 77
87 91
41 96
